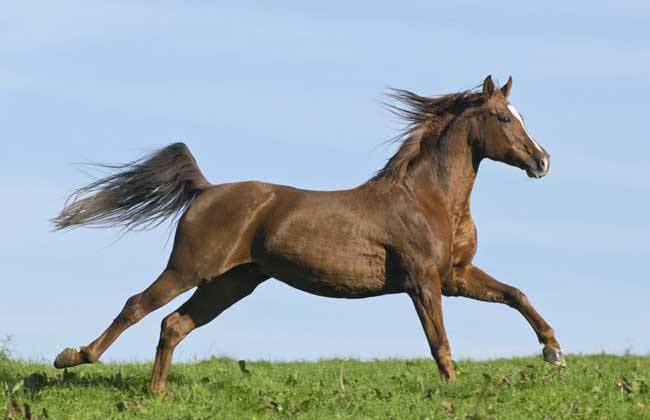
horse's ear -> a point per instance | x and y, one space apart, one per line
488 87
505 89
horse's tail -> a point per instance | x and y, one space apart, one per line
140 194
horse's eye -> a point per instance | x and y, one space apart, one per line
504 118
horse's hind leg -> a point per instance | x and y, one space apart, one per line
208 301
168 285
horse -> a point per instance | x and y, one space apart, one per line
408 229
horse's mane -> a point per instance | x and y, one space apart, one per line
426 119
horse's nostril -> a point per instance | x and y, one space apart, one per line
543 164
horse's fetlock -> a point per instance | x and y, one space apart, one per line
548 337
88 355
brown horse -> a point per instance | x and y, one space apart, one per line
408 229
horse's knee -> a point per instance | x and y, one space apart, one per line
516 298
173 329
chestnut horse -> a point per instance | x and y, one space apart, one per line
408 229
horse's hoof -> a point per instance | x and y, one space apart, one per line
554 356
156 389
68 358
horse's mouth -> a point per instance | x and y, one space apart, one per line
536 174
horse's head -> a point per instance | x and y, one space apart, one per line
502 135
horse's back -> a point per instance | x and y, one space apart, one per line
326 242
223 225
332 243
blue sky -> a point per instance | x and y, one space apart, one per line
290 93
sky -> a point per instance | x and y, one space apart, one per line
290 93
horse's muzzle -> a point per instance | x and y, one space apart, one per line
541 166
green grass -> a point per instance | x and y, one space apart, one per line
597 386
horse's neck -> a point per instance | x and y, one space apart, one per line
449 170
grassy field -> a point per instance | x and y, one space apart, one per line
597 386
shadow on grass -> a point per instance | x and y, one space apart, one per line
39 381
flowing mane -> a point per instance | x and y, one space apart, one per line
426 119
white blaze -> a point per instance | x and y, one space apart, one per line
514 112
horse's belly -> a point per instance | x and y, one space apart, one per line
327 248
331 274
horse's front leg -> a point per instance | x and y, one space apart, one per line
426 294
474 283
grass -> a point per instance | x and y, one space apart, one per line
595 386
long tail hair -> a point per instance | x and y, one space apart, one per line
138 195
